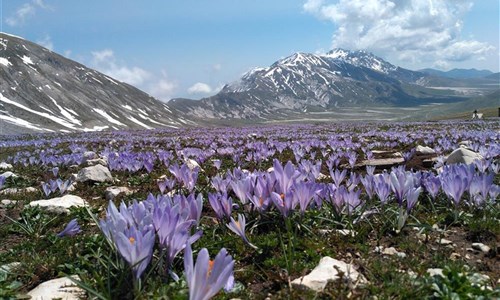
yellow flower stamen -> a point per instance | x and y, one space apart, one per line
210 267
131 240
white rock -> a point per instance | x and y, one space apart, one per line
444 242
322 176
72 187
464 156
60 204
5 166
382 162
88 155
325 231
435 272
346 232
329 269
97 173
113 191
8 174
481 247
9 267
97 161
7 202
392 251
424 150
60 288
11 191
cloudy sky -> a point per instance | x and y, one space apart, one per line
191 48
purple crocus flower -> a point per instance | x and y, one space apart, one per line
336 196
238 227
45 187
401 182
2 181
284 203
242 189
217 163
64 185
54 185
369 184
454 186
382 189
260 203
136 248
71 229
206 278
432 185
412 197
55 170
352 200
221 204
338 176
284 176
480 187
303 194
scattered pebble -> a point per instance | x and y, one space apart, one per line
59 205
5 166
424 150
481 247
113 191
8 174
329 269
390 251
60 288
11 191
444 242
7 202
435 272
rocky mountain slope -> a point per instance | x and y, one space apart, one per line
41 91
305 82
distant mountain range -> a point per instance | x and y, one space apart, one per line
41 91
458 73
304 82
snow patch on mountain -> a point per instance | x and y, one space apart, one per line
42 114
139 122
108 117
4 61
23 123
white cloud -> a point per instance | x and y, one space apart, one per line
200 88
217 67
163 88
160 87
46 42
24 12
106 62
409 30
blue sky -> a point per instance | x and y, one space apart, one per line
191 48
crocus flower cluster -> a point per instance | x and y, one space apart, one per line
133 229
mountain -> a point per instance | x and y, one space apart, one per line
305 82
494 76
458 73
41 91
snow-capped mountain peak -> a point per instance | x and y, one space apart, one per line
361 58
